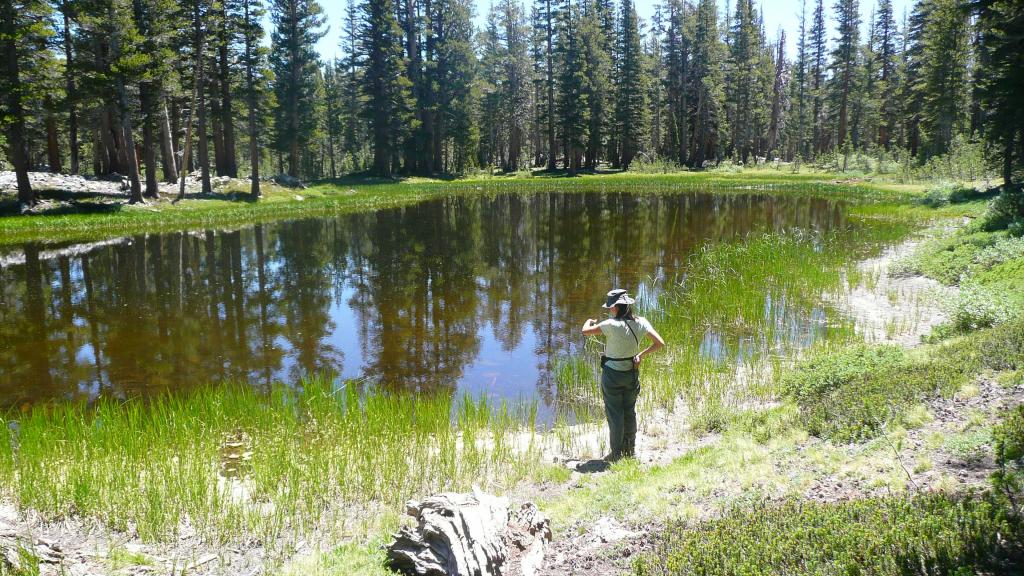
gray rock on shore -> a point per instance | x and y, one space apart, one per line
470 535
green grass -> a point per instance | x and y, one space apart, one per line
925 535
233 463
351 195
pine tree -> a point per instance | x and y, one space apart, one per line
155 21
677 47
513 79
547 28
572 106
709 124
332 101
1001 24
886 51
492 149
389 110
630 106
799 90
818 51
944 75
779 105
295 63
71 96
598 80
844 63
911 95
454 75
866 103
126 60
253 59
23 32
351 76
224 116
744 94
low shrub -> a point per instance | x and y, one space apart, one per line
978 306
926 535
957 258
655 166
1008 479
946 193
850 395
1006 210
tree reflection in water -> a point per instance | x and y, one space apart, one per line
476 294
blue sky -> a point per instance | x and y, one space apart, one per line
779 13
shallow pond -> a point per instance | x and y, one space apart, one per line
475 295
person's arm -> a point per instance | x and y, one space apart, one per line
657 343
591 327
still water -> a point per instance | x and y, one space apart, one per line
468 295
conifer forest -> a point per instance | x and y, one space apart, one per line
237 88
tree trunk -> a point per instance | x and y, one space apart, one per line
108 155
254 146
167 159
552 145
187 152
227 115
124 110
148 140
17 145
204 153
70 91
135 187
215 120
52 140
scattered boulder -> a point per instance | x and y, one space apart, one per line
470 535
288 181
607 530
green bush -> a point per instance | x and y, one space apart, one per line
1006 210
946 193
850 395
978 306
928 535
957 258
1008 479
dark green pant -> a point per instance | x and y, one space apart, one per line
620 390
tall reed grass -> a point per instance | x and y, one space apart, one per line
733 316
229 463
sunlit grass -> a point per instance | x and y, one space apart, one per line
229 462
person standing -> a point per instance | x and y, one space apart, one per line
620 368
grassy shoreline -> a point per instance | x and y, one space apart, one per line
354 195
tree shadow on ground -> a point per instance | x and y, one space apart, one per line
11 207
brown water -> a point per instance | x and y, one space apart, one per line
476 295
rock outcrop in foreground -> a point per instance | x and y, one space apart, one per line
472 534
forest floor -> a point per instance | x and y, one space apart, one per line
604 517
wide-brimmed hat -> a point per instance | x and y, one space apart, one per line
617 296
